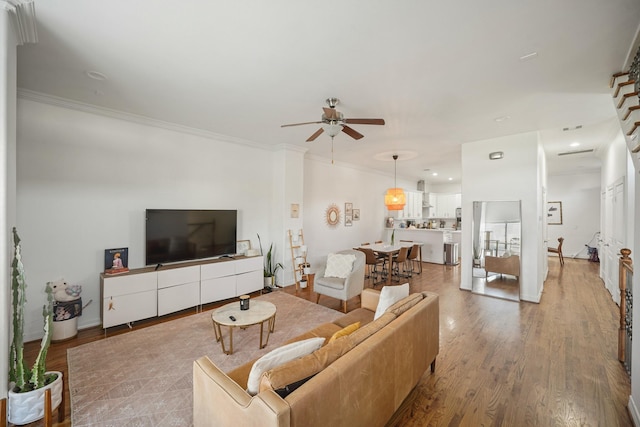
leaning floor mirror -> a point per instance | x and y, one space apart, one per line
497 249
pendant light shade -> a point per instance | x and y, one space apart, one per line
395 198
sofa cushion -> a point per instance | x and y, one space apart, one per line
405 304
339 265
278 357
307 366
389 296
325 330
361 315
344 332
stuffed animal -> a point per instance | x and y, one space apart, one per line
62 291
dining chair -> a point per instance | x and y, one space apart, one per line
558 251
413 258
372 262
401 258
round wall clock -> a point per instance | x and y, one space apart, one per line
332 215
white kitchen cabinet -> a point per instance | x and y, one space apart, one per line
412 208
446 205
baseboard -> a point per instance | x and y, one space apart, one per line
633 410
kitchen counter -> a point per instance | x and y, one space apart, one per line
433 239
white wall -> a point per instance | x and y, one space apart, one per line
580 197
7 184
326 184
515 177
85 180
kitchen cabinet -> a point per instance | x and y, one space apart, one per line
446 205
412 208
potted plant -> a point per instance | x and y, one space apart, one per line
477 253
27 387
271 267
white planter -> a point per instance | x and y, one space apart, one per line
25 408
269 282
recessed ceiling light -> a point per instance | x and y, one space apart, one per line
450 179
502 118
435 174
529 56
574 144
96 75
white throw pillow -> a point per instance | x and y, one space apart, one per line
389 296
278 357
339 265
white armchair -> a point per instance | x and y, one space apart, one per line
342 288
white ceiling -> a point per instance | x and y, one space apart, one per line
438 72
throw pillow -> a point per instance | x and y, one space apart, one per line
389 296
279 356
344 332
339 265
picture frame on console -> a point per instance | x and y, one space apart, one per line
242 246
116 260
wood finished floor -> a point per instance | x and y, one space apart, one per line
501 363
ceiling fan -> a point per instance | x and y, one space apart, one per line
333 122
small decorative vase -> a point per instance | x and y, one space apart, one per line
27 407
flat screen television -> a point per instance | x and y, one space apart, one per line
174 235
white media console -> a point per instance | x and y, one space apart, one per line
147 292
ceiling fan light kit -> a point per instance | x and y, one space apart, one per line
333 122
395 199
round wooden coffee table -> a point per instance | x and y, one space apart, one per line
258 313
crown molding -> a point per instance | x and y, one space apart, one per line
23 19
134 118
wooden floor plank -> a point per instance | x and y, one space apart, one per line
501 363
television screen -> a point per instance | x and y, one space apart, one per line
174 235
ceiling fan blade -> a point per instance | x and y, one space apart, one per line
315 135
352 132
364 121
331 113
298 124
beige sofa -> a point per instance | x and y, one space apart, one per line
357 380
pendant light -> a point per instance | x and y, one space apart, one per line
395 198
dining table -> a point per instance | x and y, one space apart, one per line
389 250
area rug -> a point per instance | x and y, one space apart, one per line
144 378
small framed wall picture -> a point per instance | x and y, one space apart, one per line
356 214
242 246
554 213
295 210
348 209
348 220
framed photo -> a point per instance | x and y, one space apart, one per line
356 214
295 211
554 213
242 246
116 260
348 220
348 209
